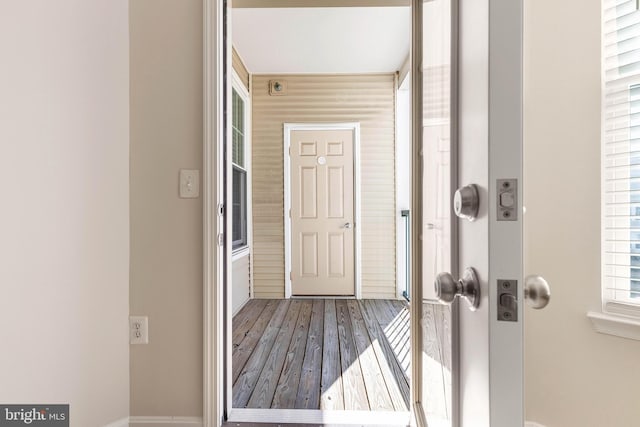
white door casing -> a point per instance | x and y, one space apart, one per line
214 317
322 159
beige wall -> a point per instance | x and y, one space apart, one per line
166 231
64 221
368 99
575 377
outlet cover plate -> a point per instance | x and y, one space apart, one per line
138 330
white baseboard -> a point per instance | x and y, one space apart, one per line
165 421
193 422
122 422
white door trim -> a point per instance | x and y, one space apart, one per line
215 324
288 128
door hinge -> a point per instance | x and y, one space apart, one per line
289 213
221 239
221 209
290 275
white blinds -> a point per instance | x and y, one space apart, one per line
621 151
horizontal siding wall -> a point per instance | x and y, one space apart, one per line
367 99
239 68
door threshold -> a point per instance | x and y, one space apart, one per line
319 417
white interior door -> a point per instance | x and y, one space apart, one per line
483 58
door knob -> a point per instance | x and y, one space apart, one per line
537 291
467 287
347 225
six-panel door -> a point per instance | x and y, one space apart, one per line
322 212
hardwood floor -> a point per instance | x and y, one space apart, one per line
321 354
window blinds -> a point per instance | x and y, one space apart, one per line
621 151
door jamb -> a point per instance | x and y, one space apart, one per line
416 212
215 324
288 128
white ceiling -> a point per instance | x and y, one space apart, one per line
322 40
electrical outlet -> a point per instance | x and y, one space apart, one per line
138 330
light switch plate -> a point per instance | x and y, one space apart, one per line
138 330
189 183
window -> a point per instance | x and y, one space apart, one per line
239 176
621 152
620 171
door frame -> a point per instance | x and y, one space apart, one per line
288 128
506 18
216 327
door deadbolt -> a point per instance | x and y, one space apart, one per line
466 287
466 202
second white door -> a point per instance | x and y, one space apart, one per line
322 212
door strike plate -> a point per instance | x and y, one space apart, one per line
507 199
507 300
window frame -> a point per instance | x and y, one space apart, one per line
243 242
238 86
618 316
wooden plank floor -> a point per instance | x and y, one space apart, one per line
321 354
